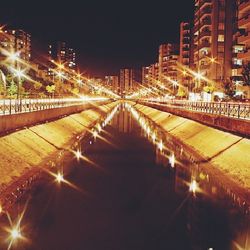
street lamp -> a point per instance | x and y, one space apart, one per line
19 74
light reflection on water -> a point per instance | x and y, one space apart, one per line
204 231
211 219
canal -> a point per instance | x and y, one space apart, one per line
126 191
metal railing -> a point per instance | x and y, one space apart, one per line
14 106
229 109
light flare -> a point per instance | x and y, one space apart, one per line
193 186
172 160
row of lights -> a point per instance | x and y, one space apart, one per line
193 186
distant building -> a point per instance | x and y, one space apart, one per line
168 58
153 74
63 54
126 82
112 83
145 76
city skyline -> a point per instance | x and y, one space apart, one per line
106 38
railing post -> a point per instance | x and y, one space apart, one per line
238 110
10 107
4 106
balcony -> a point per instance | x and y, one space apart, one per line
205 33
206 21
244 56
205 12
244 39
244 22
186 41
205 2
244 4
205 44
186 49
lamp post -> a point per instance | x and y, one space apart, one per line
19 74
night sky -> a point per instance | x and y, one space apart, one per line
107 35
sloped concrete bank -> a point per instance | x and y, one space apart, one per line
230 124
9 123
26 153
225 156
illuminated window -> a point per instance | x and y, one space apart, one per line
221 38
237 61
238 48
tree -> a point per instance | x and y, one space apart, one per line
246 73
230 88
50 89
209 89
181 92
75 91
12 89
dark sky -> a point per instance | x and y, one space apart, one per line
107 34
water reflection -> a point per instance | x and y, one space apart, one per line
213 220
144 192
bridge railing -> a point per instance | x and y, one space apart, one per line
14 106
230 109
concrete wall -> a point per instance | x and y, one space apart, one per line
237 126
16 121
24 152
224 154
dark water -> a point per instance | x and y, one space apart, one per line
131 199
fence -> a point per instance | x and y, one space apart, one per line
235 110
13 106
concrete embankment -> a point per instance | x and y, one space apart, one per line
20 120
224 154
34 147
230 124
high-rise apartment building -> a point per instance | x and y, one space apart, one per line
185 53
145 76
112 83
213 33
63 54
125 82
129 81
168 58
241 46
153 74
17 41
185 43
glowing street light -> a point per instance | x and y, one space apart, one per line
160 145
172 160
59 178
15 233
78 154
13 56
193 186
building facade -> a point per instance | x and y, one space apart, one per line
17 41
213 36
241 46
168 62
